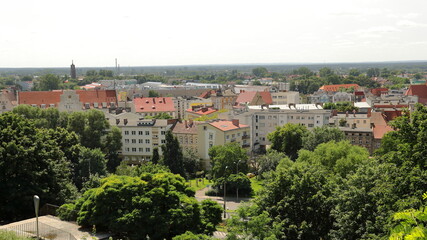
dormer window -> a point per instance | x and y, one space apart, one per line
95 104
43 106
51 105
87 105
104 104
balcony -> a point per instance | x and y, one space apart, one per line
246 145
246 136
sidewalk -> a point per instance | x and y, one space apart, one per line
232 202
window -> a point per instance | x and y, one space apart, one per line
133 132
210 144
147 149
210 136
133 140
261 117
163 141
140 132
310 125
126 140
140 141
233 135
163 132
147 133
126 132
238 134
127 149
141 149
147 141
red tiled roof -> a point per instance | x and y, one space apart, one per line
97 96
418 90
380 125
359 93
224 125
39 97
201 112
207 94
245 97
266 97
157 104
336 88
378 91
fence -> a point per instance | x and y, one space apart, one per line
45 231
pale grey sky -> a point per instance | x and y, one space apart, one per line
50 33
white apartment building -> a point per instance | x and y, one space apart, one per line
280 98
140 136
265 120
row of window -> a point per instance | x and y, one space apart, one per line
147 133
139 150
147 141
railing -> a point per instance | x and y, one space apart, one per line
245 136
45 231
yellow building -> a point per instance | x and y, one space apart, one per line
186 133
220 132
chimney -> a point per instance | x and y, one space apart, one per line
164 100
125 121
186 125
117 121
235 122
154 100
369 112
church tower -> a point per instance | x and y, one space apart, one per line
73 71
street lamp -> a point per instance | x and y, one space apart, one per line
225 180
36 206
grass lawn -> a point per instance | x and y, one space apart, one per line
256 185
9 235
200 184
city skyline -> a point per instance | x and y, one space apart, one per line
50 34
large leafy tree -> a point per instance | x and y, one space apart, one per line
111 144
159 205
297 198
48 82
322 135
227 159
30 163
288 139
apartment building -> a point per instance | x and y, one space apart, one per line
182 104
285 97
265 120
186 133
218 133
7 100
154 106
140 136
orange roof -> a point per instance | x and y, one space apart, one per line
202 111
224 125
158 104
380 125
54 97
39 97
336 88
418 90
207 94
266 97
245 97
97 96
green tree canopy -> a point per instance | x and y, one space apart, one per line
322 135
226 159
173 157
259 71
30 164
48 82
288 139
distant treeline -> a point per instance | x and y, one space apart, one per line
409 66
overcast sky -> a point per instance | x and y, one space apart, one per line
50 33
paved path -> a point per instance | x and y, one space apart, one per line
232 202
55 222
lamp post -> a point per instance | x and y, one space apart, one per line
225 180
36 206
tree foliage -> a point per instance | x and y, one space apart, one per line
226 159
173 157
320 135
288 139
31 163
159 205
